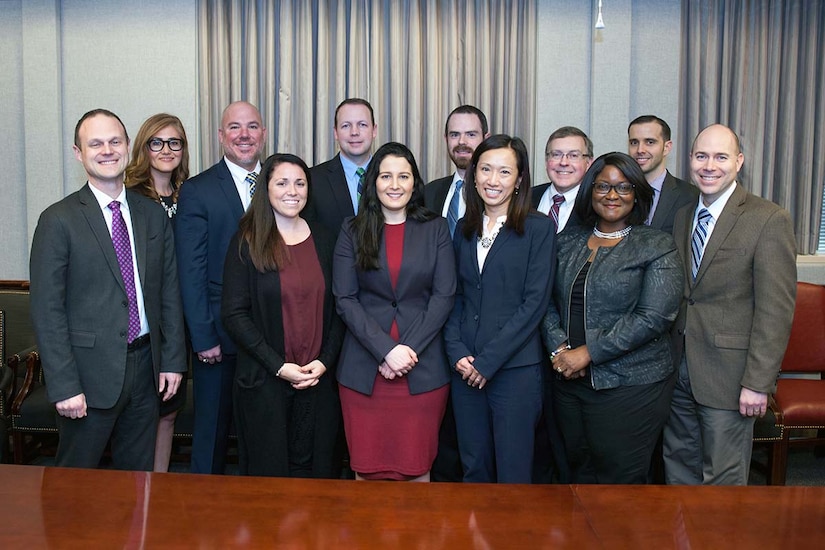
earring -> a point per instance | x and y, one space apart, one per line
516 190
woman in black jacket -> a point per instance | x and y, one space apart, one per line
617 291
277 306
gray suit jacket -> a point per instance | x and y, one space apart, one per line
735 319
676 193
79 305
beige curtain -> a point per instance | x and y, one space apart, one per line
757 66
413 60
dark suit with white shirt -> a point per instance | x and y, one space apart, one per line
329 200
675 194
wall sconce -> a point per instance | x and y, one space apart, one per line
599 20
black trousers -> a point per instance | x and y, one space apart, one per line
131 424
610 435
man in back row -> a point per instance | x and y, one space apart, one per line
648 142
567 156
337 183
465 129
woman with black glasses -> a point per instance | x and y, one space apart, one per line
617 291
159 166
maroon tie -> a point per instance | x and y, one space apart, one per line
558 199
123 250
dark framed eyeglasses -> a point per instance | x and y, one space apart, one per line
624 188
156 144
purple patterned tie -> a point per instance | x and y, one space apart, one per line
558 199
123 250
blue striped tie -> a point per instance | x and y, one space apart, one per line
452 210
700 238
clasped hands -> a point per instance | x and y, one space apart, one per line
302 377
571 363
399 361
468 372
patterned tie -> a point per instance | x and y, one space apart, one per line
360 173
697 243
558 199
452 210
251 178
123 250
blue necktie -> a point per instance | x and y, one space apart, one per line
452 211
699 240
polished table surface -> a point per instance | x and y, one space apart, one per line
68 508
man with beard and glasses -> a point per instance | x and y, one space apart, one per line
567 157
466 127
648 142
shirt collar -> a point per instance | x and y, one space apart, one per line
103 199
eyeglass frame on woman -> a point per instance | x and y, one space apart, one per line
614 187
164 142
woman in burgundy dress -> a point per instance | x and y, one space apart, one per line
394 285
277 306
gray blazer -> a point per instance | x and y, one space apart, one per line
633 291
79 300
420 304
735 319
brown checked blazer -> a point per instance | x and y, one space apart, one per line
735 318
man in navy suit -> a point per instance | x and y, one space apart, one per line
648 141
336 183
209 208
466 127
567 156
106 307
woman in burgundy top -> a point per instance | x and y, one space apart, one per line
394 285
277 306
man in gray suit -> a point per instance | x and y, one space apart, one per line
648 141
106 307
731 333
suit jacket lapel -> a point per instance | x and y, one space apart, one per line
498 244
340 191
94 217
667 198
138 216
227 185
722 228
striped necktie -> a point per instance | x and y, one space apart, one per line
558 199
360 173
452 210
699 240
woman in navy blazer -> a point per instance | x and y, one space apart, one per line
505 256
394 281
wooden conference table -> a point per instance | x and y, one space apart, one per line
66 508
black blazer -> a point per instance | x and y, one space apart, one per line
538 193
329 199
209 210
435 193
498 310
78 297
420 304
676 193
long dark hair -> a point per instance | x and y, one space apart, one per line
520 203
368 225
258 227
631 170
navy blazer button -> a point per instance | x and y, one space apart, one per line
394 304
475 317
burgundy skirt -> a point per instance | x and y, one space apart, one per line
392 434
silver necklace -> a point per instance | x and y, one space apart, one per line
170 210
487 242
613 235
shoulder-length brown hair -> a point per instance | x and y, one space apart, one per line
258 227
139 174
520 203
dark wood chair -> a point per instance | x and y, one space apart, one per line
799 402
